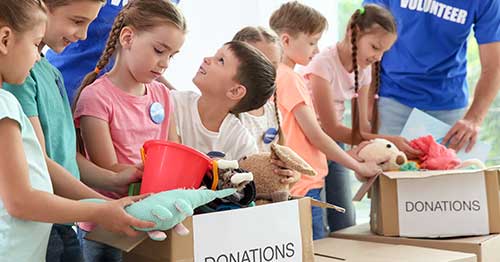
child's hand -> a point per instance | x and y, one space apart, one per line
126 177
114 218
367 170
404 145
288 177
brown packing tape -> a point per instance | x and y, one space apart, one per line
389 206
492 194
305 217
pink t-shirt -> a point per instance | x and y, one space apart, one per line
327 65
292 93
128 117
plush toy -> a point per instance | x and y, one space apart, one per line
267 183
169 208
227 174
380 151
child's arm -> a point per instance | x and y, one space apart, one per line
24 202
97 177
318 138
365 103
98 144
323 104
173 136
64 183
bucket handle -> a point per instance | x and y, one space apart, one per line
215 175
143 155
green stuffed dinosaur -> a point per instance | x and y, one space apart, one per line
169 208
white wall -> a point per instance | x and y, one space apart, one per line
212 23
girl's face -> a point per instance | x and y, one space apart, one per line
271 50
372 45
69 23
216 74
148 53
20 53
302 48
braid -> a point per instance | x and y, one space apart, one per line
356 136
375 89
109 50
103 62
281 136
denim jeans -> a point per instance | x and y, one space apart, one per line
393 115
338 192
97 252
317 215
63 245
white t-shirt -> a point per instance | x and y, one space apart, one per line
22 240
327 65
233 138
258 125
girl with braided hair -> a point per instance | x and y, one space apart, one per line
117 112
39 176
343 72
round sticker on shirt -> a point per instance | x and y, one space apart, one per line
157 113
270 135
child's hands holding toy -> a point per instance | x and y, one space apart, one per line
112 216
367 170
123 179
289 177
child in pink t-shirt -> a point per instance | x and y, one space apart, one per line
300 28
336 75
124 108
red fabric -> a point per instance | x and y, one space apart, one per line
435 156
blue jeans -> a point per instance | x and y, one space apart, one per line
338 192
97 252
63 245
317 215
393 115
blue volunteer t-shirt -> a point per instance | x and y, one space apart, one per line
426 67
80 58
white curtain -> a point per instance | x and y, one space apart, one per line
212 23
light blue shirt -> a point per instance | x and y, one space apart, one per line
22 240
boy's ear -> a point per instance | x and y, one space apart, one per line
126 37
6 39
285 39
237 92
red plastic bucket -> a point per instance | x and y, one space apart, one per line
169 166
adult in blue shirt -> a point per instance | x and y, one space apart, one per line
426 68
80 58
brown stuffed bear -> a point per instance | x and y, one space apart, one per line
267 183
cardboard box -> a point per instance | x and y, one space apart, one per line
434 203
281 230
486 248
333 249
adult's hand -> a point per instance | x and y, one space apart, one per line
463 133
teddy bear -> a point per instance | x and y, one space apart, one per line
267 183
381 151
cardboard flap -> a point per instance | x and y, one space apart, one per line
117 240
322 204
365 187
